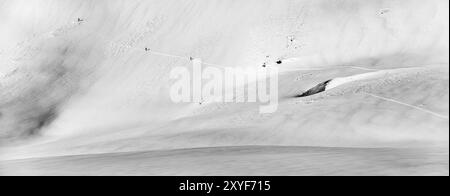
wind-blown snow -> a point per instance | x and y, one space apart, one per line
74 88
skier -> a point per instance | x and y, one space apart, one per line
146 49
267 61
290 41
191 58
80 20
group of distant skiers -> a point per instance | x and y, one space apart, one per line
290 38
265 64
291 42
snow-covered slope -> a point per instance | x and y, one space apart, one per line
81 87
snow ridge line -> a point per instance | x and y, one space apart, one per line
218 65
361 68
159 53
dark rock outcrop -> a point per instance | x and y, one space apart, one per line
315 90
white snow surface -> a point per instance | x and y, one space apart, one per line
106 98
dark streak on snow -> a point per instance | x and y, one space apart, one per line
37 107
45 119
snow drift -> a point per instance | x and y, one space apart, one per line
90 86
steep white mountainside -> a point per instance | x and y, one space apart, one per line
75 78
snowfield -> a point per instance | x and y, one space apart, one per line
80 94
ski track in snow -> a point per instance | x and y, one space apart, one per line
409 105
